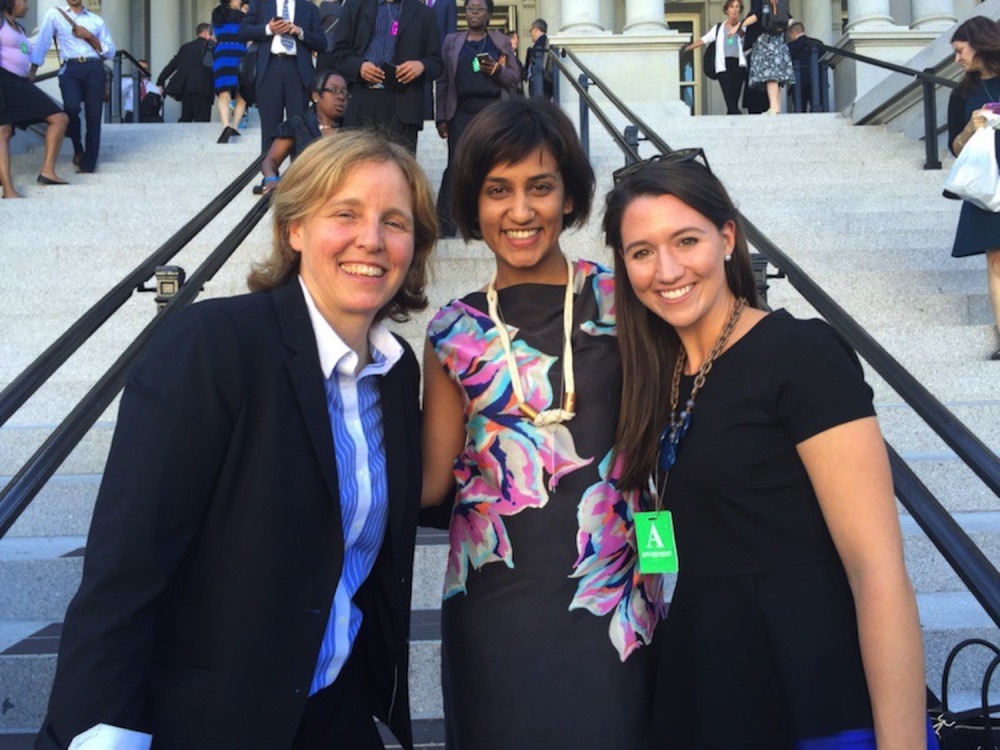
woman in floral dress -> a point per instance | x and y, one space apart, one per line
546 621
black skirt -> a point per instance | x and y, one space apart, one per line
22 103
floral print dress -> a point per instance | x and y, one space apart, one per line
546 620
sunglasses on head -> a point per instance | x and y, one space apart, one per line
674 157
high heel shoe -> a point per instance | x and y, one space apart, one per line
43 180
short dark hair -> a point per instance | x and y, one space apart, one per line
320 77
649 346
202 28
487 3
796 26
541 25
507 132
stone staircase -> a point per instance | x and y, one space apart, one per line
851 205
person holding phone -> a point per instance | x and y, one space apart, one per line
977 51
479 68
388 50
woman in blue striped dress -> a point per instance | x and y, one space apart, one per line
229 50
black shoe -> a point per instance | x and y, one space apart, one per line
232 132
224 138
43 180
996 355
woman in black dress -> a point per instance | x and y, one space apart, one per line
21 102
977 51
793 619
229 50
546 622
324 118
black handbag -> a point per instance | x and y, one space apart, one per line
971 729
247 76
708 59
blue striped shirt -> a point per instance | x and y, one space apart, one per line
355 412
382 46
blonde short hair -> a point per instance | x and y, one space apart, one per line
318 173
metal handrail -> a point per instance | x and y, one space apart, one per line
35 375
928 80
974 568
21 490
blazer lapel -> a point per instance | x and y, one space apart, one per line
307 378
406 13
396 453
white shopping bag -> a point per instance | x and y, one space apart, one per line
974 177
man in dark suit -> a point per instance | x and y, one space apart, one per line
286 33
800 51
388 50
194 86
540 43
329 17
247 576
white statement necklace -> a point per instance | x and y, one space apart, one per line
567 409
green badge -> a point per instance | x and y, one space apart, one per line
475 64
654 536
24 48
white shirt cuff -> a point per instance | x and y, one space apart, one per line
107 737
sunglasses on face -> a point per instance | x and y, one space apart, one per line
674 157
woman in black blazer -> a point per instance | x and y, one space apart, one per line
234 529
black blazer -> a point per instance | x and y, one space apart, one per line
417 40
188 64
254 29
216 544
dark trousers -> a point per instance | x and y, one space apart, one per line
280 96
375 109
731 80
457 126
83 83
339 716
196 108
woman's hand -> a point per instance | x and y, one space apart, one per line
978 120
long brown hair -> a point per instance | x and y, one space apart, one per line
649 345
983 35
317 174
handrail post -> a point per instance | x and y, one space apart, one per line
116 89
930 123
824 87
555 79
536 84
584 82
632 140
136 90
815 96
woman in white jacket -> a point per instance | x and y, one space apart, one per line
730 62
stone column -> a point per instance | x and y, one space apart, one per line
644 17
117 15
932 15
818 20
866 14
581 17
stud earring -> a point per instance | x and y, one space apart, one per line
729 257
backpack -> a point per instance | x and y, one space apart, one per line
775 21
150 107
708 60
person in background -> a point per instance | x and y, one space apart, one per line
543 604
229 50
515 41
194 77
977 51
329 16
540 41
388 51
149 103
446 15
84 42
730 62
770 63
21 102
756 437
324 118
801 54
287 33
247 578
478 70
